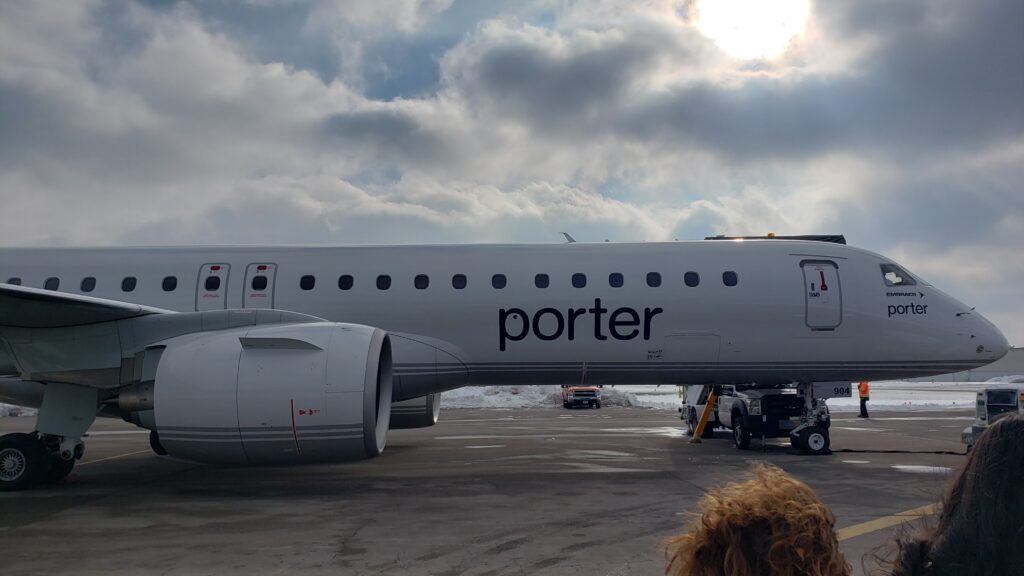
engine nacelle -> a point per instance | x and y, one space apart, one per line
273 394
420 412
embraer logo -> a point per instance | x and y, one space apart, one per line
515 324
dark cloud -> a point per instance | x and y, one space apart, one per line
568 85
556 91
384 136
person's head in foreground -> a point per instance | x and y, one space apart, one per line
769 525
980 530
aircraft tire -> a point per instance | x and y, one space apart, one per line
814 441
59 469
23 461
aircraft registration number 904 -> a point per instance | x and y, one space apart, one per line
832 390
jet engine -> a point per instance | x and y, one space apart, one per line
419 412
267 394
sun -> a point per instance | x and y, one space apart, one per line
747 29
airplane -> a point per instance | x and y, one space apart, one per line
296 354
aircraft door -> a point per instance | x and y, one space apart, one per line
823 295
259 285
212 287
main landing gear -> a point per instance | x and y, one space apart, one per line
49 454
27 460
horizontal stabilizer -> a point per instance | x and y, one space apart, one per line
23 307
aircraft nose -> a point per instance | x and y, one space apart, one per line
994 341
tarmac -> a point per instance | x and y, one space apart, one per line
540 491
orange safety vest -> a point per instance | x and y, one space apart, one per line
864 389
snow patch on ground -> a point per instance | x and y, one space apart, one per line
6 410
1018 379
502 397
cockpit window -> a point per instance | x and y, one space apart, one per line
896 276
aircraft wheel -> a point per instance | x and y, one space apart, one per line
740 434
59 469
23 461
814 441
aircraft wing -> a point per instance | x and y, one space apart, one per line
23 307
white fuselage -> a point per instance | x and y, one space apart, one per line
776 324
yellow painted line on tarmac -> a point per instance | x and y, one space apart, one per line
886 522
113 457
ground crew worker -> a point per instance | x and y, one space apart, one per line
865 394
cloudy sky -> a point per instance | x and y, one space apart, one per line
898 124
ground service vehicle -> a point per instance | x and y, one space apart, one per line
993 403
574 396
754 411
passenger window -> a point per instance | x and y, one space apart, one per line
459 281
212 283
421 282
129 283
615 280
383 282
51 283
729 278
692 279
88 284
14 281
579 280
653 279
541 281
896 276
259 283
345 282
499 281
307 282
170 283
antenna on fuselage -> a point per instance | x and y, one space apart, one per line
568 239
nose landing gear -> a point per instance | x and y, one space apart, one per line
811 436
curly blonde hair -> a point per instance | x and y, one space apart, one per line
771 524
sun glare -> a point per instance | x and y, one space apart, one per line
748 29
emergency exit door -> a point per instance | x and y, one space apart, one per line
823 294
212 287
259 285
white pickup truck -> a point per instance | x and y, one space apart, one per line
753 411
